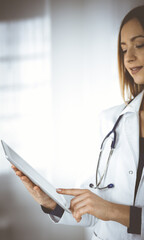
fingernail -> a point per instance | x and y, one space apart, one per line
59 190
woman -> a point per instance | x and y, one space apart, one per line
116 207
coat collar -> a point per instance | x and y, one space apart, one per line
135 104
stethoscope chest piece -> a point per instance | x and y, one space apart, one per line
111 185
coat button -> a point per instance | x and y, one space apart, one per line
130 172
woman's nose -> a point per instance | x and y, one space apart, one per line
130 55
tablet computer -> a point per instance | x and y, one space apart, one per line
34 176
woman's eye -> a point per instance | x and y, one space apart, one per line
140 46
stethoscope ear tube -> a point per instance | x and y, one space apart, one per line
112 131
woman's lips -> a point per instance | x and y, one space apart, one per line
134 70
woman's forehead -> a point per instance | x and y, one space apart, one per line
131 29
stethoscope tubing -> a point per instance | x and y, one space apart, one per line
98 183
106 168
114 132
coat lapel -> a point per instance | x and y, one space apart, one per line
132 136
132 128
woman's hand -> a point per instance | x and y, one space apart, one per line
38 195
85 201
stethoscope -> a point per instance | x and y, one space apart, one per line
112 148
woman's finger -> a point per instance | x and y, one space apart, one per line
37 188
24 178
80 198
19 173
27 181
80 212
79 202
39 192
14 168
72 192
36 192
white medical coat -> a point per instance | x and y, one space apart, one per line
121 172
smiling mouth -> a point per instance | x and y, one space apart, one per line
135 70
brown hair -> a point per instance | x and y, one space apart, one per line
128 87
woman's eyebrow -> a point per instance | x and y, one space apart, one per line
133 38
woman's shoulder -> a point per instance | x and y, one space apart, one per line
112 112
108 117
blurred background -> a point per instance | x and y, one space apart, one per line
58 71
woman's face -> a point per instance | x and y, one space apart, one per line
132 44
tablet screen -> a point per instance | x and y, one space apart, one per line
34 176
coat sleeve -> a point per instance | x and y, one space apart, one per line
67 219
142 223
135 220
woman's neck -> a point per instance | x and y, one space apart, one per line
141 113
142 105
